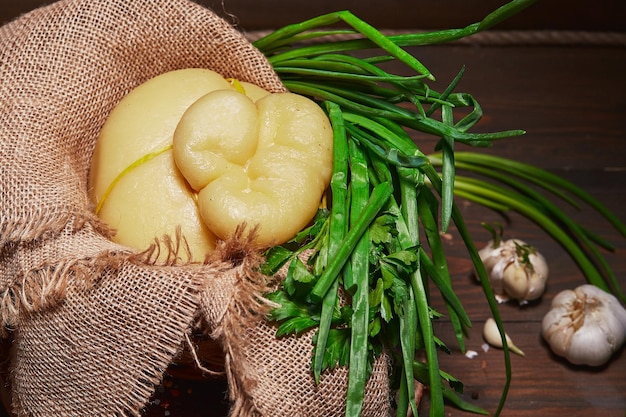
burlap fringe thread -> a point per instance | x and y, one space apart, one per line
241 262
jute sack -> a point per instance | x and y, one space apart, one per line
93 325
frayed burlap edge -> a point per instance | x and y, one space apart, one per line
133 401
44 287
238 262
46 224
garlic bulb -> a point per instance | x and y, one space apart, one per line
491 333
585 325
516 270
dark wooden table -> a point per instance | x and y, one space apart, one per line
572 103
571 100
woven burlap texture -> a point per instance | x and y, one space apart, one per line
271 376
93 325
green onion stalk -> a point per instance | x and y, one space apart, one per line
364 285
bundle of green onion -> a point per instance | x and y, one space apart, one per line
364 288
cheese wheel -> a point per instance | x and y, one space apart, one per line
151 200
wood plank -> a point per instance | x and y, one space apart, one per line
605 15
575 126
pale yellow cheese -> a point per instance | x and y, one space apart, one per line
265 164
253 91
151 200
144 121
193 152
218 131
154 201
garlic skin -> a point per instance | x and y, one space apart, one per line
585 325
517 271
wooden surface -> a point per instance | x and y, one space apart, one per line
606 15
572 103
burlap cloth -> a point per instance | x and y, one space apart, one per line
92 326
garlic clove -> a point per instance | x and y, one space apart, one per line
536 286
558 328
589 346
515 281
539 263
492 335
496 265
489 254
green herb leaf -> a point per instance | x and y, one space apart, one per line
275 258
337 348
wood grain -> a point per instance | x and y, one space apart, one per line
602 15
575 126
572 103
